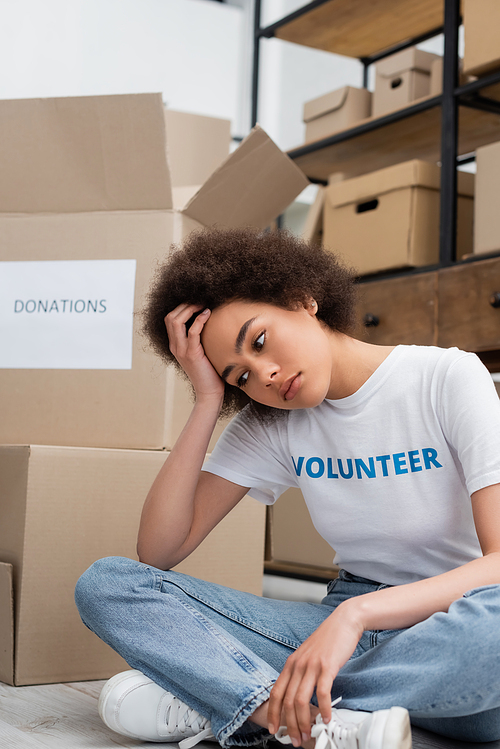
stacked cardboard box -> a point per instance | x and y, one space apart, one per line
486 214
482 44
94 192
401 79
389 219
337 110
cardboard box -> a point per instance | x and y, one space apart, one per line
292 537
197 145
401 79
335 111
62 508
390 218
482 43
313 226
486 213
88 180
436 83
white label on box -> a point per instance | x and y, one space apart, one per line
66 314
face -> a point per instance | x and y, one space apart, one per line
281 358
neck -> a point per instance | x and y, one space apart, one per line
353 363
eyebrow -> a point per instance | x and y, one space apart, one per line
240 339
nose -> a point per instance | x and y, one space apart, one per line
268 374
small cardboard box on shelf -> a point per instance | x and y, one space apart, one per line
389 219
486 213
335 111
62 509
481 40
88 212
401 79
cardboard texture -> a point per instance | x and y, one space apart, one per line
436 80
292 537
401 79
89 178
482 43
6 619
196 146
390 218
63 508
486 213
313 227
335 111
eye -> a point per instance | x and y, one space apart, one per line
242 380
258 344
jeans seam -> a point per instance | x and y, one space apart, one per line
266 633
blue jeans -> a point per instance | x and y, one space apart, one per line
221 650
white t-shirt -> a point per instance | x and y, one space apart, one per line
387 472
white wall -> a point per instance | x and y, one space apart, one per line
190 50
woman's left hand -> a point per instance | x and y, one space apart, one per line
314 665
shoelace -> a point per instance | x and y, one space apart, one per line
337 734
185 719
318 731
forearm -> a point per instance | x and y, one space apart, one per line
404 605
168 511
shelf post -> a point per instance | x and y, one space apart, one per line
256 62
449 135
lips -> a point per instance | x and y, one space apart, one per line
290 387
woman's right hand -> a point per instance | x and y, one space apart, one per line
187 348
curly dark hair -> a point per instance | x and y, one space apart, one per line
214 266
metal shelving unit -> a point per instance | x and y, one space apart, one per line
446 128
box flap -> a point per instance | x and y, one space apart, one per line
253 186
407 174
6 623
90 153
324 104
409 59
196 146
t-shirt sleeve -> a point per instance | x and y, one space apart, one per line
251 454
470 415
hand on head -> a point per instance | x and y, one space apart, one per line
187 348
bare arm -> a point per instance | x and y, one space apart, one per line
316 663
184 503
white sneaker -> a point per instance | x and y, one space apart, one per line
354 729
133 705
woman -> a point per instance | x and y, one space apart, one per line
397 453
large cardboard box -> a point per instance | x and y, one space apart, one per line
390 218
401 79
482 42
335 111
88 211
486 204
292 537
62 508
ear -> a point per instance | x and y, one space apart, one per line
311 307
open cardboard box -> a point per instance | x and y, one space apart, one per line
62 509
89 179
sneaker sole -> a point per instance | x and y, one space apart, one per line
104 696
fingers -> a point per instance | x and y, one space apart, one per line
290 703
290 699
175 322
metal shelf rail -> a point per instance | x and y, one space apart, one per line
452 97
